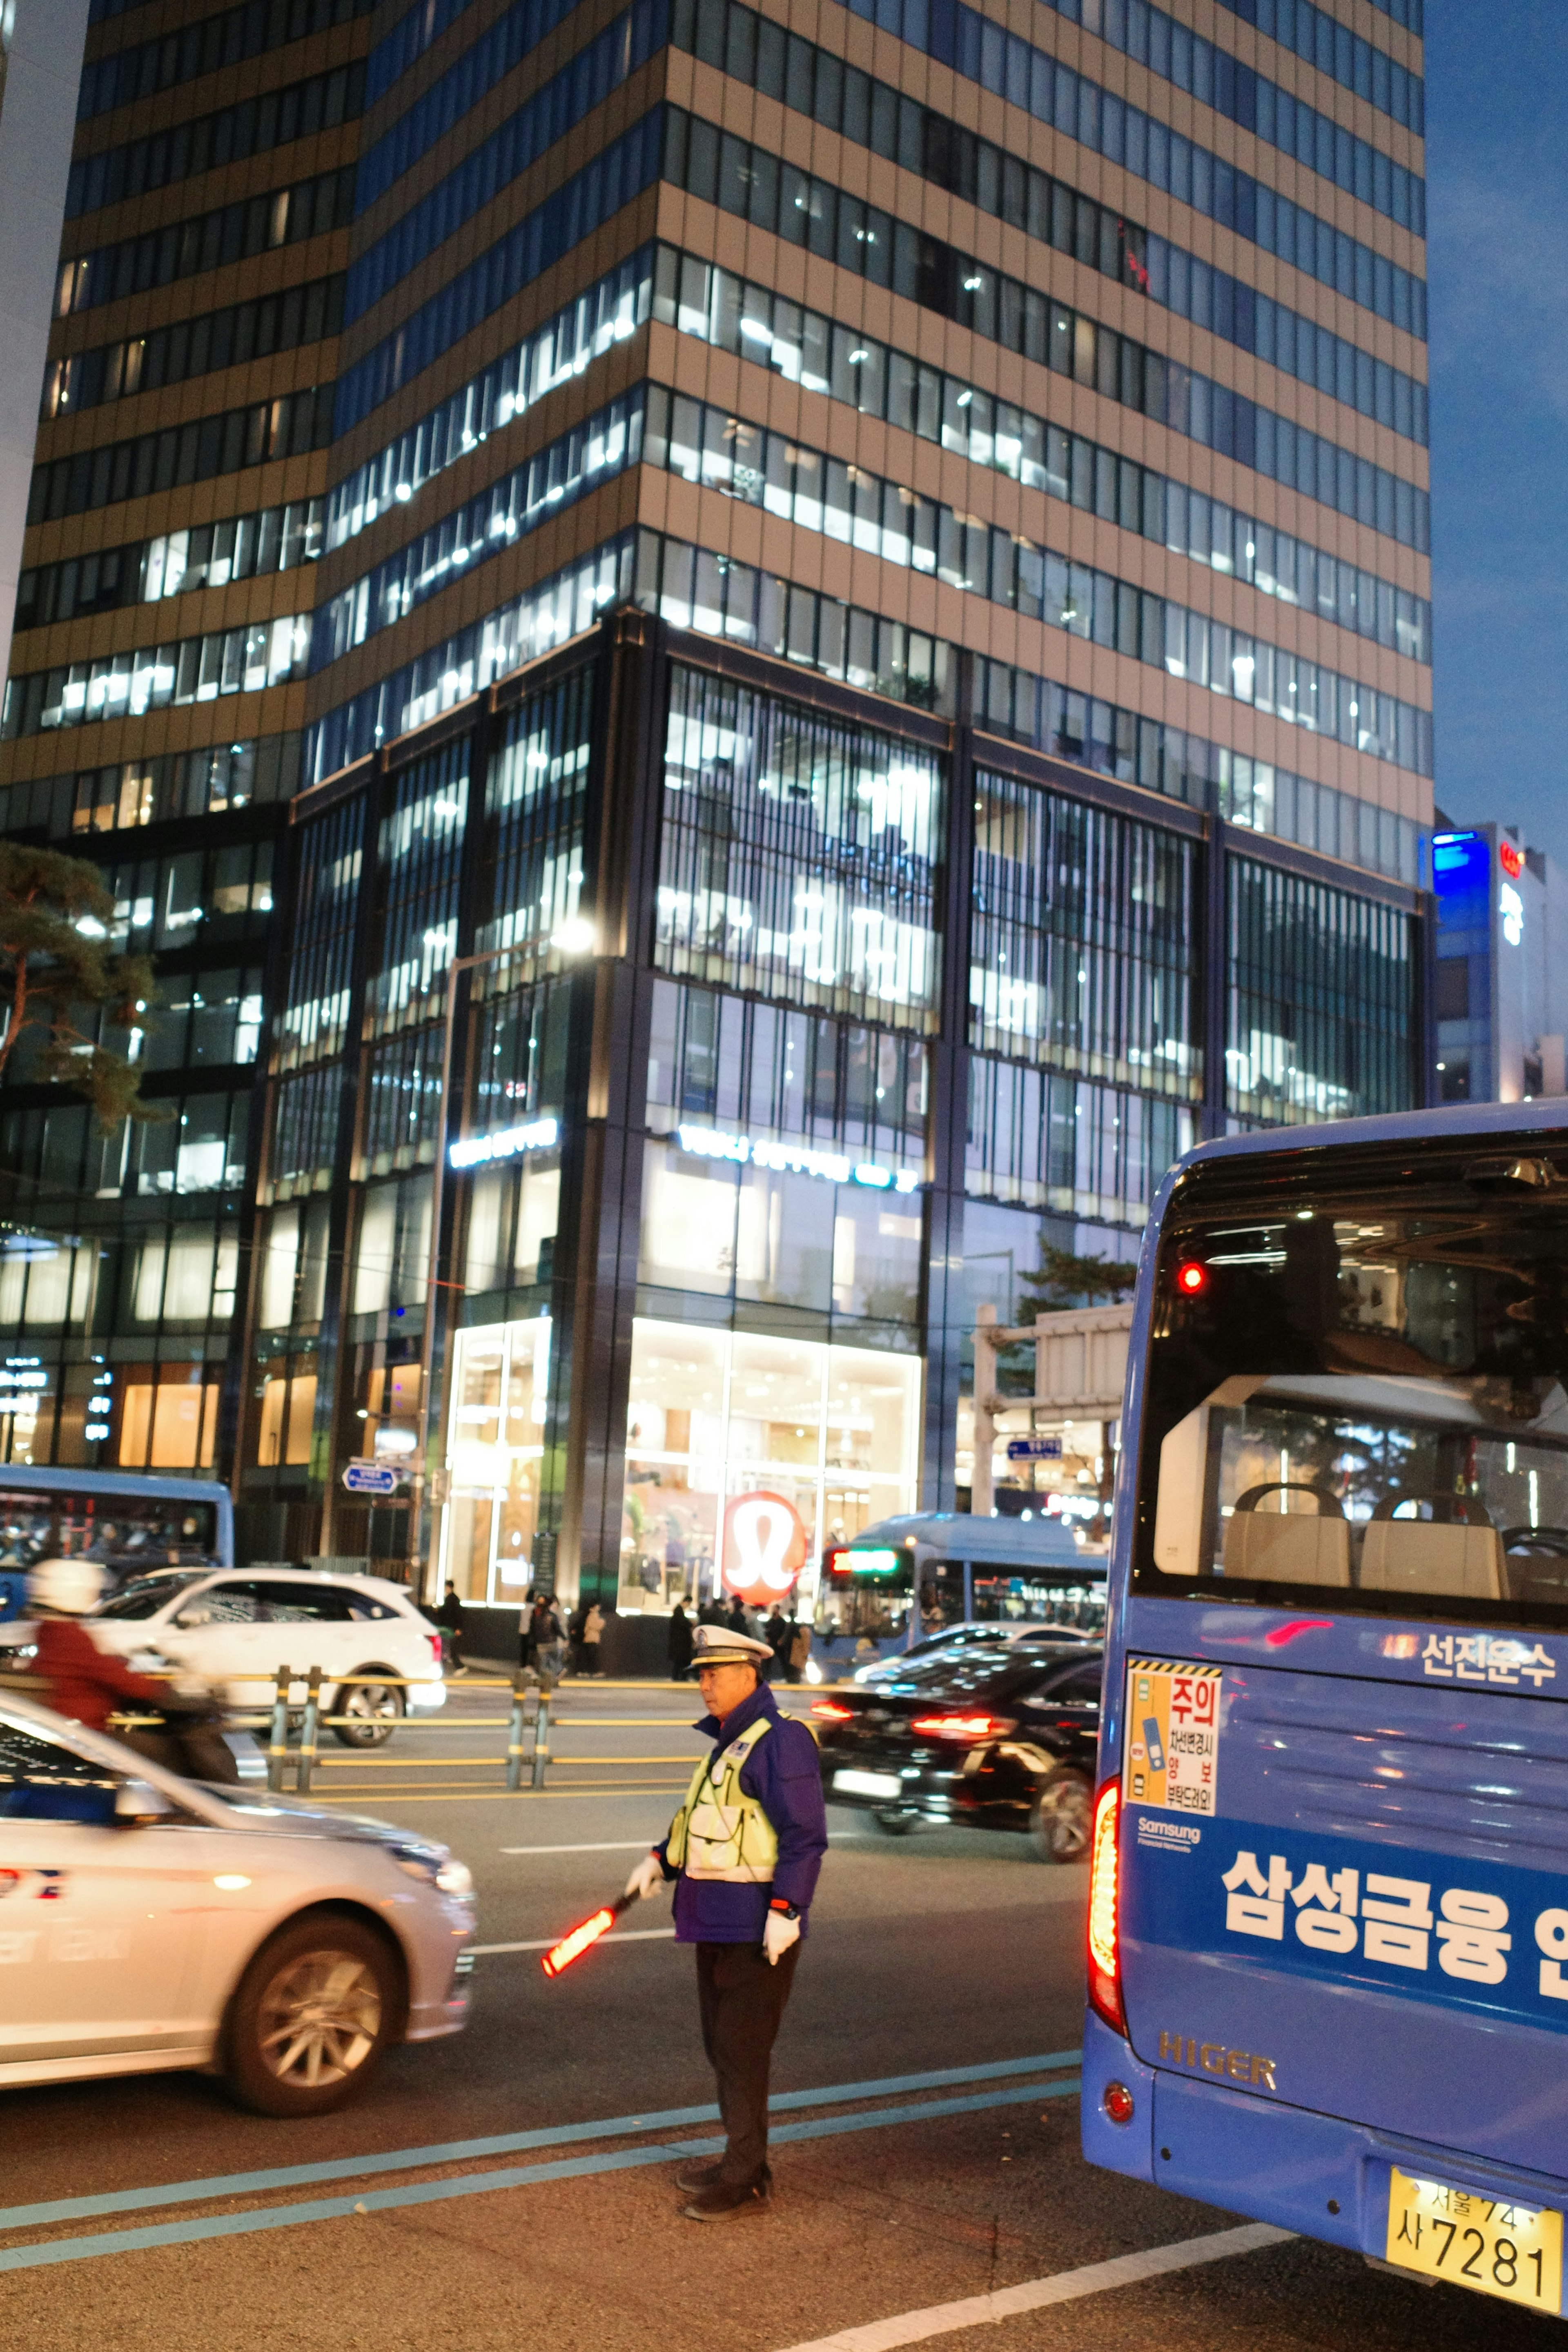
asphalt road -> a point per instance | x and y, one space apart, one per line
939 1956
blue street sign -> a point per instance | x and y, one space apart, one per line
371 1478
1034 1449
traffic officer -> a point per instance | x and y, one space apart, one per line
744 1850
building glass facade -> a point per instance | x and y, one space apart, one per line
904 686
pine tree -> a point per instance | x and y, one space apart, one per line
1064 1280
57 967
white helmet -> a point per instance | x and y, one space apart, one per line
66 1588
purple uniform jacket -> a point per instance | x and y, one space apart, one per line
782 1772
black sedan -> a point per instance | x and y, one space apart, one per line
994 1744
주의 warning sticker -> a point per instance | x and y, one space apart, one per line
1171 1746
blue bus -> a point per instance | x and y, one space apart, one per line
131 1523
968 1570
1328 1938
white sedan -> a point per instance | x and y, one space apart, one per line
147 1923
234 1627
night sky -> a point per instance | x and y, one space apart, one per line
1497 198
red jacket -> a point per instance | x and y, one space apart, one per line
86 1683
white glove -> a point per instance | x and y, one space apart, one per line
647 1877
778 1936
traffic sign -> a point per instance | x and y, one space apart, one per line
1034 1449
362 1477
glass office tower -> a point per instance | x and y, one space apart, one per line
871 590
153 712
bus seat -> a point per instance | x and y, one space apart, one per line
1288 1548
1534 1573
1451 1562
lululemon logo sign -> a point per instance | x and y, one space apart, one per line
765 1546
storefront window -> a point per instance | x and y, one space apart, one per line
495 1447
288 1416
172 1425
780 1239
715 1416
689 1222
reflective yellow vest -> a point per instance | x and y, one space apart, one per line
721 1831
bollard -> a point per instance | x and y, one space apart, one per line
308 1730
277 1753
541 1734
514 1738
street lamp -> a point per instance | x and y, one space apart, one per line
574 937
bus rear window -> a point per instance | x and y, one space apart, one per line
1358 1386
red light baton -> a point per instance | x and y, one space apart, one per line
575 1942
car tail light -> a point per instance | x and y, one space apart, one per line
1104 1896
962 1726
831 1712
436 1653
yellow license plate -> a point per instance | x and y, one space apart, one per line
1512 2251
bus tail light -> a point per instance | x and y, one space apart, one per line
1104 1898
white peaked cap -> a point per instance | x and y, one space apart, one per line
719 1645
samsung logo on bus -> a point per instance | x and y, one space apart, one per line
1158 1833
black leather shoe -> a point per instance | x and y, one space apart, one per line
693 2177
723 2200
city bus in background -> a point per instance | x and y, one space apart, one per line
969 1570
1328 1940
130 1523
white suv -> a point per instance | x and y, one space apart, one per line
235 1627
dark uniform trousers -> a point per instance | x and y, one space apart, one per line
741 1999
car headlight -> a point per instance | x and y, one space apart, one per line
436 1868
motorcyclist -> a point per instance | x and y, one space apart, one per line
87 1683
90 1685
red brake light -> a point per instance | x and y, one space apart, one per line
1104 1894
831 1712
957 1726
436 1651
1192 1278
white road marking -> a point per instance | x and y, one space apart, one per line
1035 2295
543 1943
612 1846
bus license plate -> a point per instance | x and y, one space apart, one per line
868 1784
1512 2251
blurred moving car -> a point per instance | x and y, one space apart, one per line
955 1641
234 1627
981 1741
950 1640
149 1923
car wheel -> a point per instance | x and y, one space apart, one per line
376 1708
312 2017
893 1823
1061 1818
